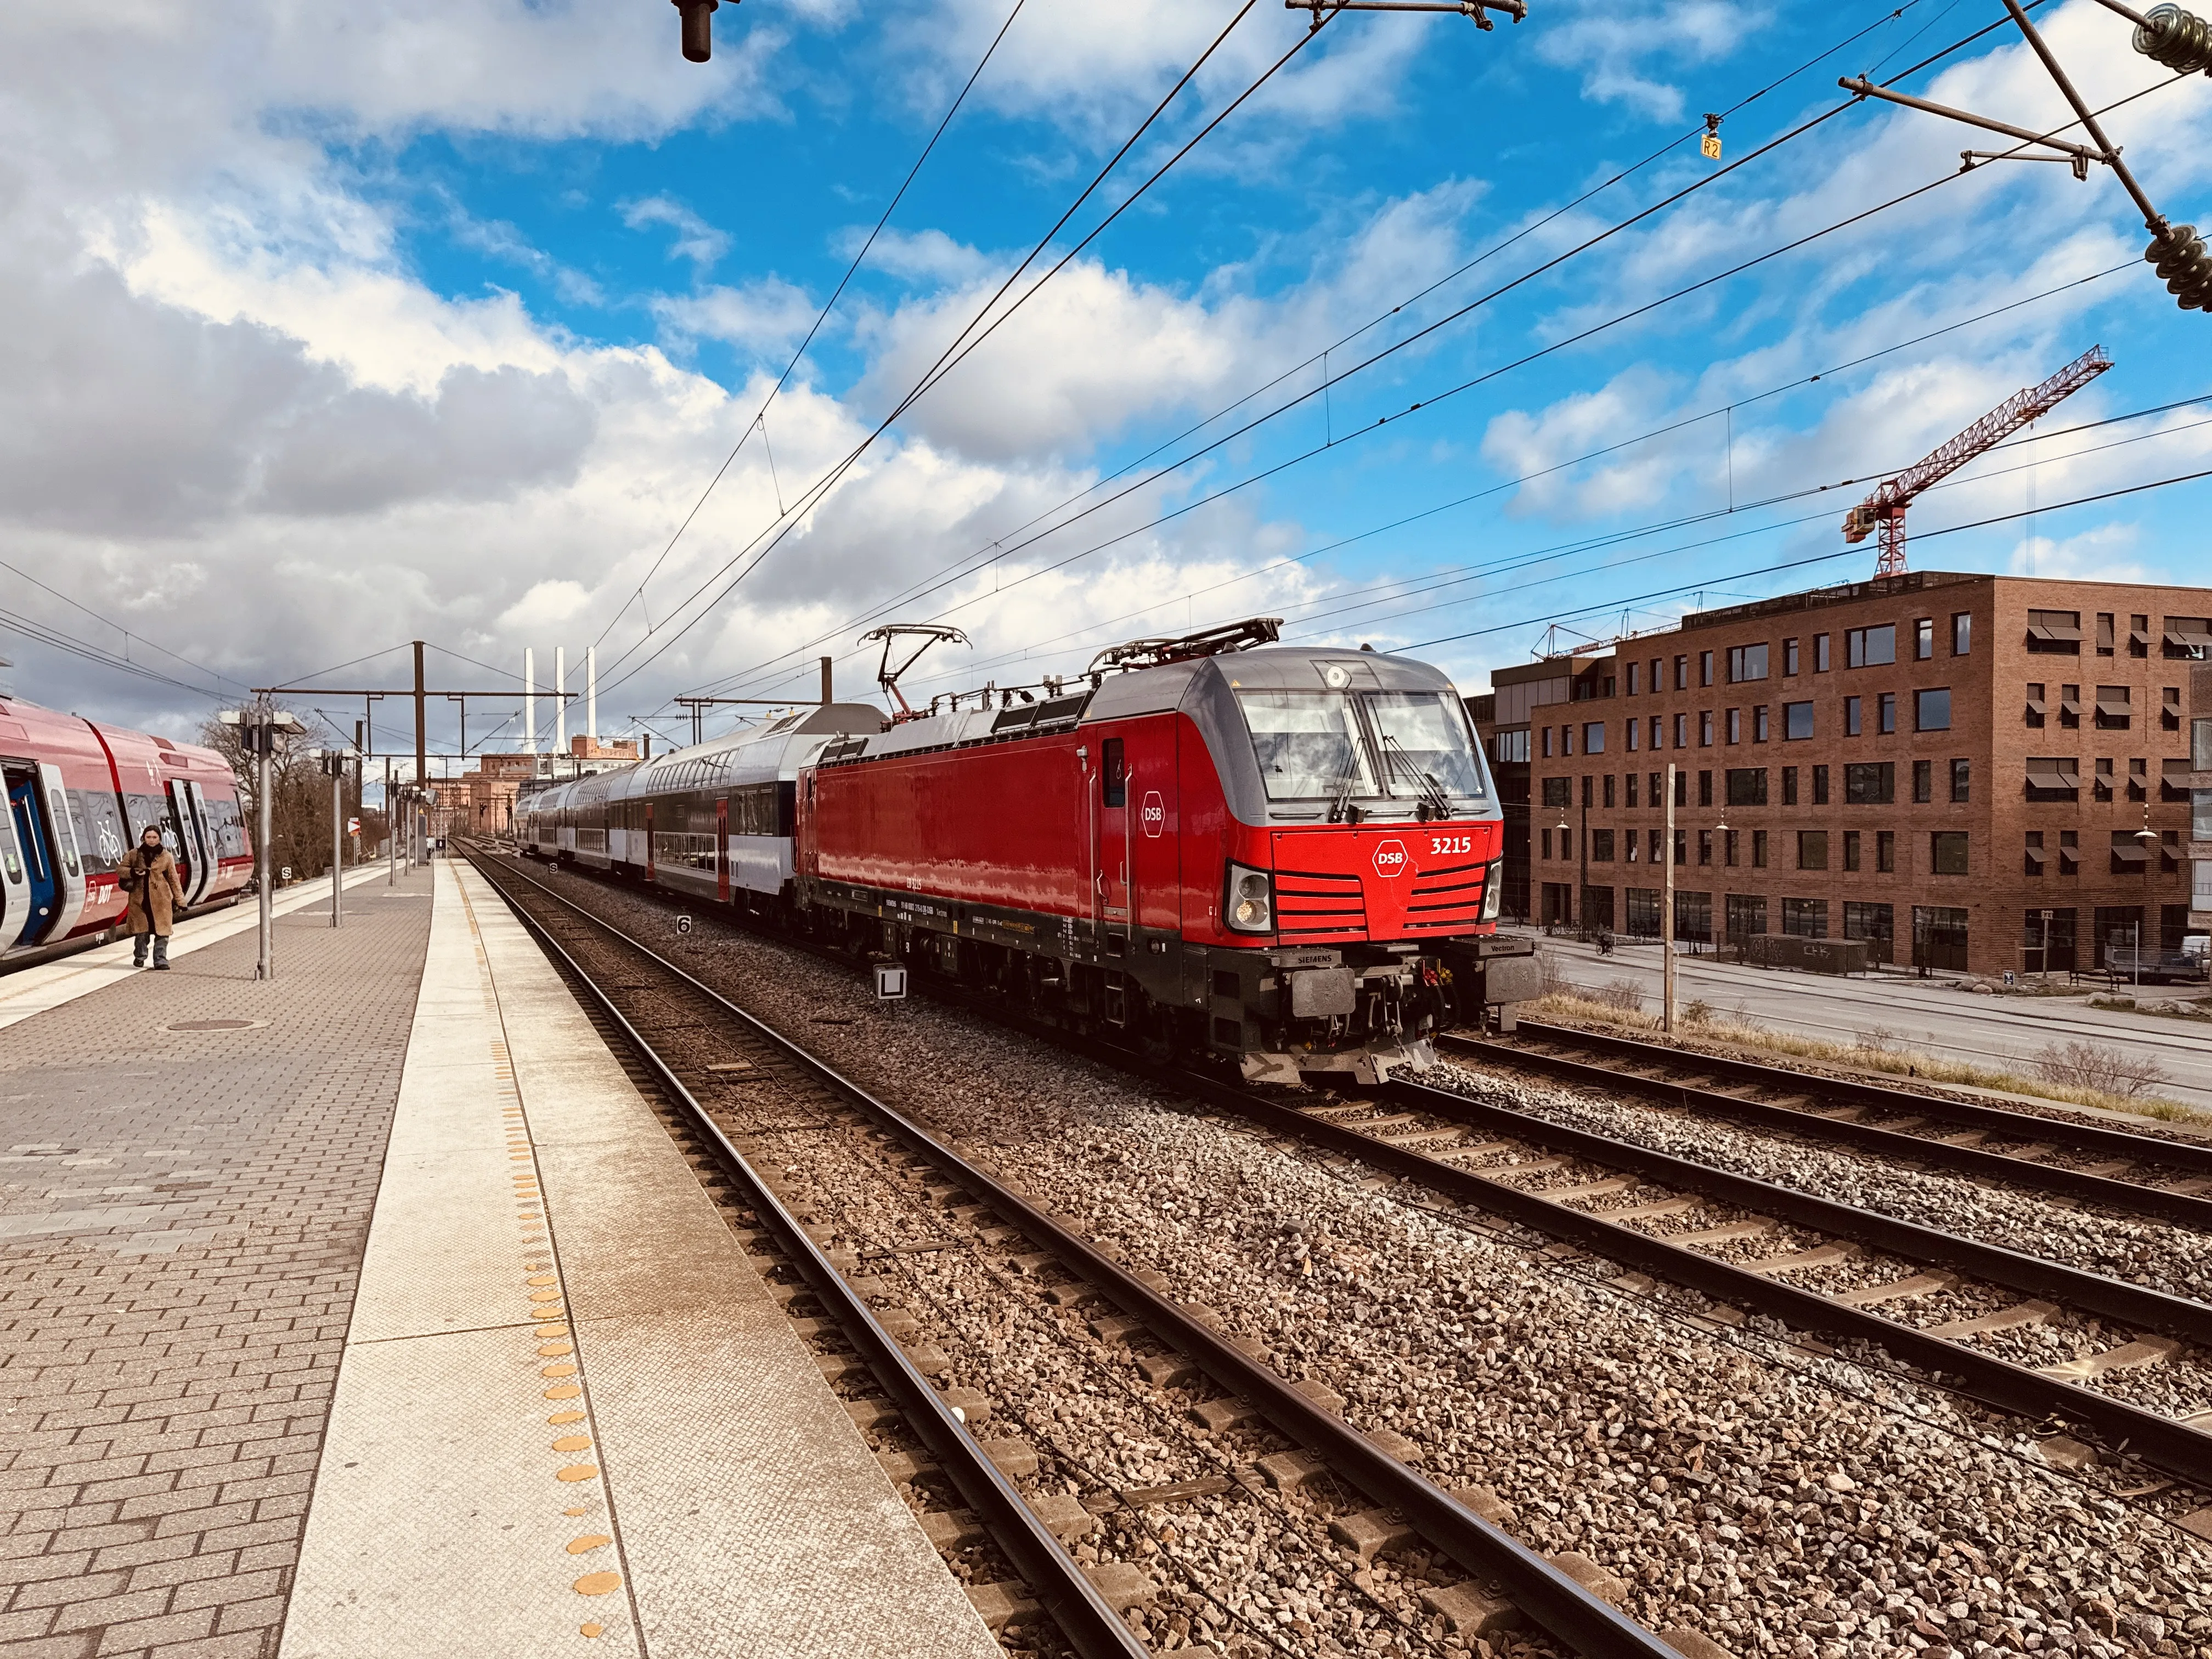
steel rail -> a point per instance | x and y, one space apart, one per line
2187 1209
1090 1624
1548 1596
2171 1445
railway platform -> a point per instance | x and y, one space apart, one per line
392 1324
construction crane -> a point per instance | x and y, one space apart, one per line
1884 508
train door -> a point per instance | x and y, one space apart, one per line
188 808
67 864
648 842
19 888
1112 857
722 849
1150 828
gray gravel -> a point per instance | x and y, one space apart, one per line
1783 1504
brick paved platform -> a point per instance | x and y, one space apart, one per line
182 1220
570 1419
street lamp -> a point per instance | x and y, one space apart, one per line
1567 830
2148 838
260 732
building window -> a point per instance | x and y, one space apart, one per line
1594 738
1758 850
1681 788
2069 705
1758 726
1869 783
1747 786
1736 725
1693 918
1850 849
1658 733
1923 783
1874 923
1797 721
1547 841
1705 789
2100 785
1658 675
1600 845
2169 713
1884 851
1705 847
1788 657
2113 711
1812 849
1706 729
1946 851
1512 748
1548 743
2104 632
2058 632
1608 791
1681 674
2138 636
2200 750
1704 668
1745 662
1659 845
2131 857
2200 815
1727 847
1805 918
1931 709
1588 787
2035 704
2070 852
1746 915
1788 786
1555 792
1962 780
1632 782
1853 716
2138 779
1681 731
1924 639
1566 740
1962 634
1634 729
1870 647
1631 680
1887 710
2036 855
1819 654
1819 786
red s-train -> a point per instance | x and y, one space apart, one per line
79 794
1289 856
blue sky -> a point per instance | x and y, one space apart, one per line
337 330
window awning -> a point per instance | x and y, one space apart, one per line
2114 708
2047 776
2054 632
2035 857
2130 851
2189 636
2069 705
2035 707
2139 637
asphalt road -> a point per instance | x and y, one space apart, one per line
1930 1015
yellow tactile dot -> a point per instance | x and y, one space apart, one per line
552 1330
541 1279
576 1472
599 1583
555 1350
591 1630
550 1294
559 1418
563 1391
573 1442
579 1509
588 1542
559 1368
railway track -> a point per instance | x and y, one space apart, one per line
761 1111
2133 1174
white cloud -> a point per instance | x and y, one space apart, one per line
2096 556
765 317
695 239
1621 52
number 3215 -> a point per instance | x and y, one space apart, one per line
1450 844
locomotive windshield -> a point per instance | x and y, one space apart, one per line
1329 744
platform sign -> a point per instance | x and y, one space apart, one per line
682 924
891 982
353 826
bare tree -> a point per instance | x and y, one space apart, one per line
2108 1070
299 793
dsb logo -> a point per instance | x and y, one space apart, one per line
1154 814
1390 859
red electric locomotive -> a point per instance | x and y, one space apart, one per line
79 794
1287 855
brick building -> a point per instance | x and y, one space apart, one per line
1930 763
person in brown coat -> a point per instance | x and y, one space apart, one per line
150 881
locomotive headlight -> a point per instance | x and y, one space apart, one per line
1251 901
1493 889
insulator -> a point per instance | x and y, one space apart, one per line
2179 39
698 28
2179 255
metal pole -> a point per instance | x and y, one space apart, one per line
421 723
391 829
264 966
2153 219
338 841
1666 918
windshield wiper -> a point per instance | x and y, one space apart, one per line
1340 809
1431 792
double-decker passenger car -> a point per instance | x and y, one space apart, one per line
80 794
1285 856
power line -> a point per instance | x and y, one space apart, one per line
219 677
823 316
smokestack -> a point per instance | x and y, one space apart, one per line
560 699
827 662
591 694
529 700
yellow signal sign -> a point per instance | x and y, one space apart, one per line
1711 144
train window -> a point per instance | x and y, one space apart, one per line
1308 744
99 829
1114 773
1423 740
